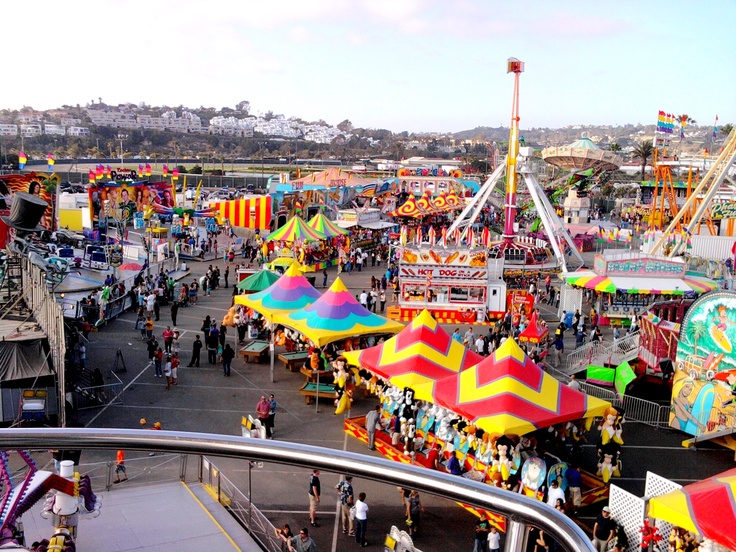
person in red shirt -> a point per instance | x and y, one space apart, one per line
262 410
174 366
168 336
120 467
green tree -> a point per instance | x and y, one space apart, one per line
727 129
643 152
615 147
696 330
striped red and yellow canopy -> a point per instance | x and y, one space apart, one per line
707 507
418 357
508 393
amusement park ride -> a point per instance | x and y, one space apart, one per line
514 249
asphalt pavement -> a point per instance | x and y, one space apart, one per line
207 401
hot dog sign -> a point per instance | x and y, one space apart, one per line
453 258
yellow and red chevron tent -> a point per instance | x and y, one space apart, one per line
417 357
507 393
336 315
707 507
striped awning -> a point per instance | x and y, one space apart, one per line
687 285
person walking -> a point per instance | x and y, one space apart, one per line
167 371
228 354
324 278
347 499
372 420
604 530
272 413
149 327
227 275
262 410
196 349
168 336
158 358
174 311
120 467
414 510
382 297
212 344
314 492
361 520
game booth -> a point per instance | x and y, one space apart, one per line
627 282
444 407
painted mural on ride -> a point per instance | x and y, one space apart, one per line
704 384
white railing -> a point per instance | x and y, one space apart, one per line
603 352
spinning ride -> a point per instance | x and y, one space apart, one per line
520 252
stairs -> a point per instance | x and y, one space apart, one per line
602 353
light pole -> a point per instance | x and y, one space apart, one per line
122 138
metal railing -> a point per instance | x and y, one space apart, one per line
520 511
602 352
98 395
146 470
635 409
239 505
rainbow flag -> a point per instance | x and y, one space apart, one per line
175 175
91 176
108 172
22 160
50 160
165 170
148 169
715 128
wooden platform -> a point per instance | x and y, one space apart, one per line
255 349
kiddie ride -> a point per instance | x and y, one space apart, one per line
69 497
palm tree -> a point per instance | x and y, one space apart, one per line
726 129
644 151
696 330
615 147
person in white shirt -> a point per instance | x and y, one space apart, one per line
364 299
554 493
494 540
361 520
479 345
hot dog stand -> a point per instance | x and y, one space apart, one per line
458 286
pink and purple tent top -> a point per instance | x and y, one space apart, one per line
336 315
289 293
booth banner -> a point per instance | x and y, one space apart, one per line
723 210
252 212
123 200
444 272
455 258
31 183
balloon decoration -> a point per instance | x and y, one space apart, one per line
649 535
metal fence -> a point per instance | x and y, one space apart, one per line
239 505
146 470
636 409
98 395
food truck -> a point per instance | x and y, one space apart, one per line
458 286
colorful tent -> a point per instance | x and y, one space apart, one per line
295 230
258 281
417 357
424 203
687 285
289 293
336 315
507 393
707 507
325 226
534 332
440 202
409 209
454 202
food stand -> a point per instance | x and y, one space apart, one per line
458 286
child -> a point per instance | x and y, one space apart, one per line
120 467
494 540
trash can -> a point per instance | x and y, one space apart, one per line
184 267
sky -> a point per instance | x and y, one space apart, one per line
415 65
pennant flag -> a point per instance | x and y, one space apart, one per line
175 175
419 235
91 176
715 128
431 235
404 234
99 171
108 172
140 170
683 124
22 159
165 170
50 160
470 238
148 169
444 236
486 237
